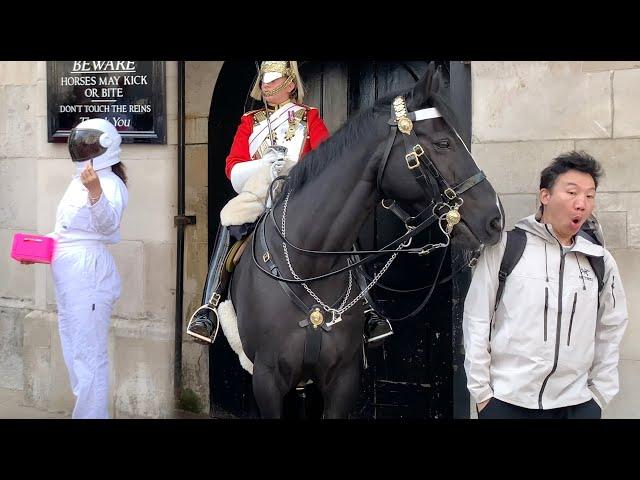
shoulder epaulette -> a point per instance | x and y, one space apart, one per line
258 116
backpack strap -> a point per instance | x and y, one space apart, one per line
516 241
597 264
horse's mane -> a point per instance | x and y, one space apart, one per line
331 149
355 130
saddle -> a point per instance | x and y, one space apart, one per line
235 252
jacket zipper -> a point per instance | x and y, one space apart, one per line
558 324
546 307
573 310
614 297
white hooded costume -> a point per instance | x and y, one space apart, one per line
86 279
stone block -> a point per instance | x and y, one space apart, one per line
129 259
11 332
620 159
143 365
626 103
517 207
515 167
519 101
200 79
605 66
16 280
18 193
614 228
627 403
160 278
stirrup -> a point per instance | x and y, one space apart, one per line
380 337
201 337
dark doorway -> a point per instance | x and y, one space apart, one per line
416 373
229 384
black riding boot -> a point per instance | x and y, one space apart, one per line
376 328
203 325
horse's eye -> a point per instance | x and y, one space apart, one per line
444 143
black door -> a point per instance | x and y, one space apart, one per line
412 374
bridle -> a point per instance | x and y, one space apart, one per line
443 207
444 198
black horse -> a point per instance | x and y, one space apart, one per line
402 150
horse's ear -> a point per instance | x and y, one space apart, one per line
422 90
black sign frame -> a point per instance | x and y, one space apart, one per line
153 93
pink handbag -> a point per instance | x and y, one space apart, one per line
32 248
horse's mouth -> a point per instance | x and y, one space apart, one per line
462 237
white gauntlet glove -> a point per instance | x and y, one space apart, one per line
277 151
273 158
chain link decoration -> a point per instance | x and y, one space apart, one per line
277 90
336 313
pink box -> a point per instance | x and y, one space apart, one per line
32 248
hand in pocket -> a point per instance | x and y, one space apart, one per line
480 406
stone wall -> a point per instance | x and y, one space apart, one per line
526 113
33 176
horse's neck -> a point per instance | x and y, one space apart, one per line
329 211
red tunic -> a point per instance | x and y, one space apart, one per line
316 133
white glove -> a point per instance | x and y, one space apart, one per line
278 150
273 158
275 153
276 167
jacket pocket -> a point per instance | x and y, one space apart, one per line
573 311
546 309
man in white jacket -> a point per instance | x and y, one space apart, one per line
551 347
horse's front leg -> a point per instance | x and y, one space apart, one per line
341 394
269 389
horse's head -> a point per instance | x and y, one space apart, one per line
427 167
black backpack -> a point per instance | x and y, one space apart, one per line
517 240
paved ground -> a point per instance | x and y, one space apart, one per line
12 406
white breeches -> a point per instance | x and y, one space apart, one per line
87 285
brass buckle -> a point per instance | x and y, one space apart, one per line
266 257
418 150
414 156
215 299
450 193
